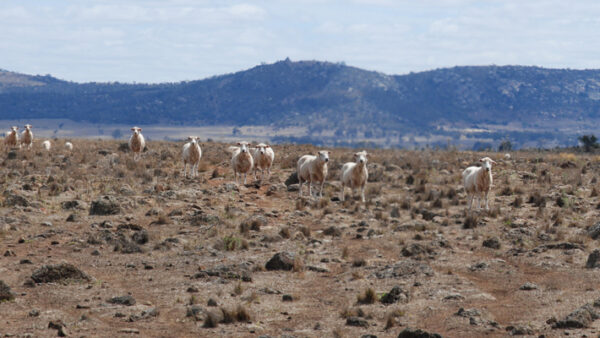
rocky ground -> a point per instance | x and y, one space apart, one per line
95 244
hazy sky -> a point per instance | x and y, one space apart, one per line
174 40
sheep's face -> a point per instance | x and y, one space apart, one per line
262 148
487 163
14 129
243 146
323 156
136 130
28 127
193 139
360 157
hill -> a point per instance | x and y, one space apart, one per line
331 99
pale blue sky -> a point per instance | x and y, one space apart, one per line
174 40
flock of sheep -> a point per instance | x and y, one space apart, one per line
12 140
311 169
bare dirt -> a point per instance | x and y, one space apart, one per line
175 245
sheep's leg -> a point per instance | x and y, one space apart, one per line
300 187
342 198
184 170
310 189
471 202
362 193
487 207
321 190
478 201
245 178
255 170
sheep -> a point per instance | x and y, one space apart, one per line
46 145
478 181
313 169
263 157
137 143
69 146
507 156
27 136
12 138
191 155
355 174
241 160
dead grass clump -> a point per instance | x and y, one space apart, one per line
323 202
517 202
390 318
238 289
285 232
210 321
506 191
471 222
231 243
537 199
345 252
368 297
241 314
305 231
215 173
358 262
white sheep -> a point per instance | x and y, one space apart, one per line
27 137
12 138
355 174
241 160
191 155
478 181
46 145
137 142
263 157
313 169
69 146
507 156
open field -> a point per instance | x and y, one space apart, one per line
192 253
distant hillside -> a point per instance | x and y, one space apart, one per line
324 97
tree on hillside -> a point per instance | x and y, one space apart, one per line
505 146
589 142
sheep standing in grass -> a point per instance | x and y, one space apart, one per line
355 174
46 145
241 161
191 155
478 181
69 146
313 169
136 142
27 137
263 157
12 138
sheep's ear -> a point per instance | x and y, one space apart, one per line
132 129
239 143
267 146
481 160
493 161
140 129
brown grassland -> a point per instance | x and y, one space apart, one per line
192 252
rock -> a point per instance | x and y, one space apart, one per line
293 187
492 243
403 269
192 289
454 296
242 271
11 155
59 273
594 231
34 313
528 286
332 231
593 260
129 331
356 321
292 179
254 222
468 313
122 300
12 199
396 294
9 253
580 318
211 302
74 204
479 266
59 326
140 237
195 312
287 298
5 292
72 218
416 249
105 205
281 261
519 330
47 224
417 333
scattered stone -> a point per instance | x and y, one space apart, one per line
287 298
281 261
593 260
417 333
332 231
356 321
95 253
479 266
47 224
492 243
580 318
25 261
195 312
242 271
122 300
72 218
59 273
454 296
254 222
519 330
105 205
74 204
416 249
34 313
5 293
396 294
12 199
140 237
403 269
9 253
59 326
211 302
129 331
528 286
293 187
292 179
468 313
192 289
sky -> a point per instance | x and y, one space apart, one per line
176 40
